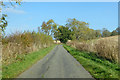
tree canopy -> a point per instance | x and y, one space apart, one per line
49 27
3 21
63 34
115 32
74 30
105 33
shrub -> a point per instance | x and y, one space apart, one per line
23 43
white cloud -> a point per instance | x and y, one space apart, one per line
14 10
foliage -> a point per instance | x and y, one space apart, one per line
115 32
98 67
49 27
98 33
63 34
80 31
78 27
3 21
23 43
105 33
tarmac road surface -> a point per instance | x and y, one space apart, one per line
57 64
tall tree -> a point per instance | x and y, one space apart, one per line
115 32
63 34
44 27
98 33
78 27
49 27
105 33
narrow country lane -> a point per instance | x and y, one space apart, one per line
57 64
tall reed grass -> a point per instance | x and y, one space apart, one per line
23 43
103 47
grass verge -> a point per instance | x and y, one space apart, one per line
24 62
99 68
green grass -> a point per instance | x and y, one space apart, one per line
24 62
98 67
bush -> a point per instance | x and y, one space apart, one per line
23 43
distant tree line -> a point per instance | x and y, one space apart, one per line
74 30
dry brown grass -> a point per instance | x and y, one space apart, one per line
105 47
23 43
